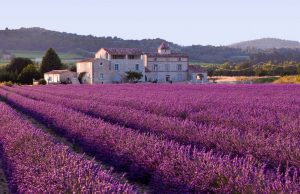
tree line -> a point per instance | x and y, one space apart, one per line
261 69
274 62
24 70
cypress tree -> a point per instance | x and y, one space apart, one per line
51 61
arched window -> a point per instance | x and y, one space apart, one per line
199 77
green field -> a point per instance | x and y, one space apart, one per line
37 56
40 54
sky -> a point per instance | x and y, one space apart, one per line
185 22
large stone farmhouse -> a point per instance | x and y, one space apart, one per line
111 64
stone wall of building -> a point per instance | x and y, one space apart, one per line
85 67
102 72
121 66
164 69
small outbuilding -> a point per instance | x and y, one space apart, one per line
61 77
197 74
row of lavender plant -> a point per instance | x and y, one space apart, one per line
171 167
257 113
275 149
186 95
36 163
258 108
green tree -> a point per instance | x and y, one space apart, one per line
28 74
133 76
6 76
16 65
51 61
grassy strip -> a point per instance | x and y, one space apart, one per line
288 80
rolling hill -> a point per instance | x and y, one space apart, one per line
39 39
267 43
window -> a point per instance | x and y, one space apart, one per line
116 67
167 67
179 59
155 67
155 59
101 76
101 64
130 56
179 67
118 56
137 67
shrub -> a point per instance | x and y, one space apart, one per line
9 84
42 82
133 76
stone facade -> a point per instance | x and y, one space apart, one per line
93 71
110 65
165 66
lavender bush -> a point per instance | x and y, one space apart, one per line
36 163
171 167
236 137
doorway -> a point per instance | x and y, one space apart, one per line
168 78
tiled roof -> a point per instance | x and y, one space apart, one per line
167 55
58 72
123 51
87 60
164 46
196 69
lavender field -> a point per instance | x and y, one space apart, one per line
150 138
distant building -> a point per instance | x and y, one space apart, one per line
61 76
111 64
